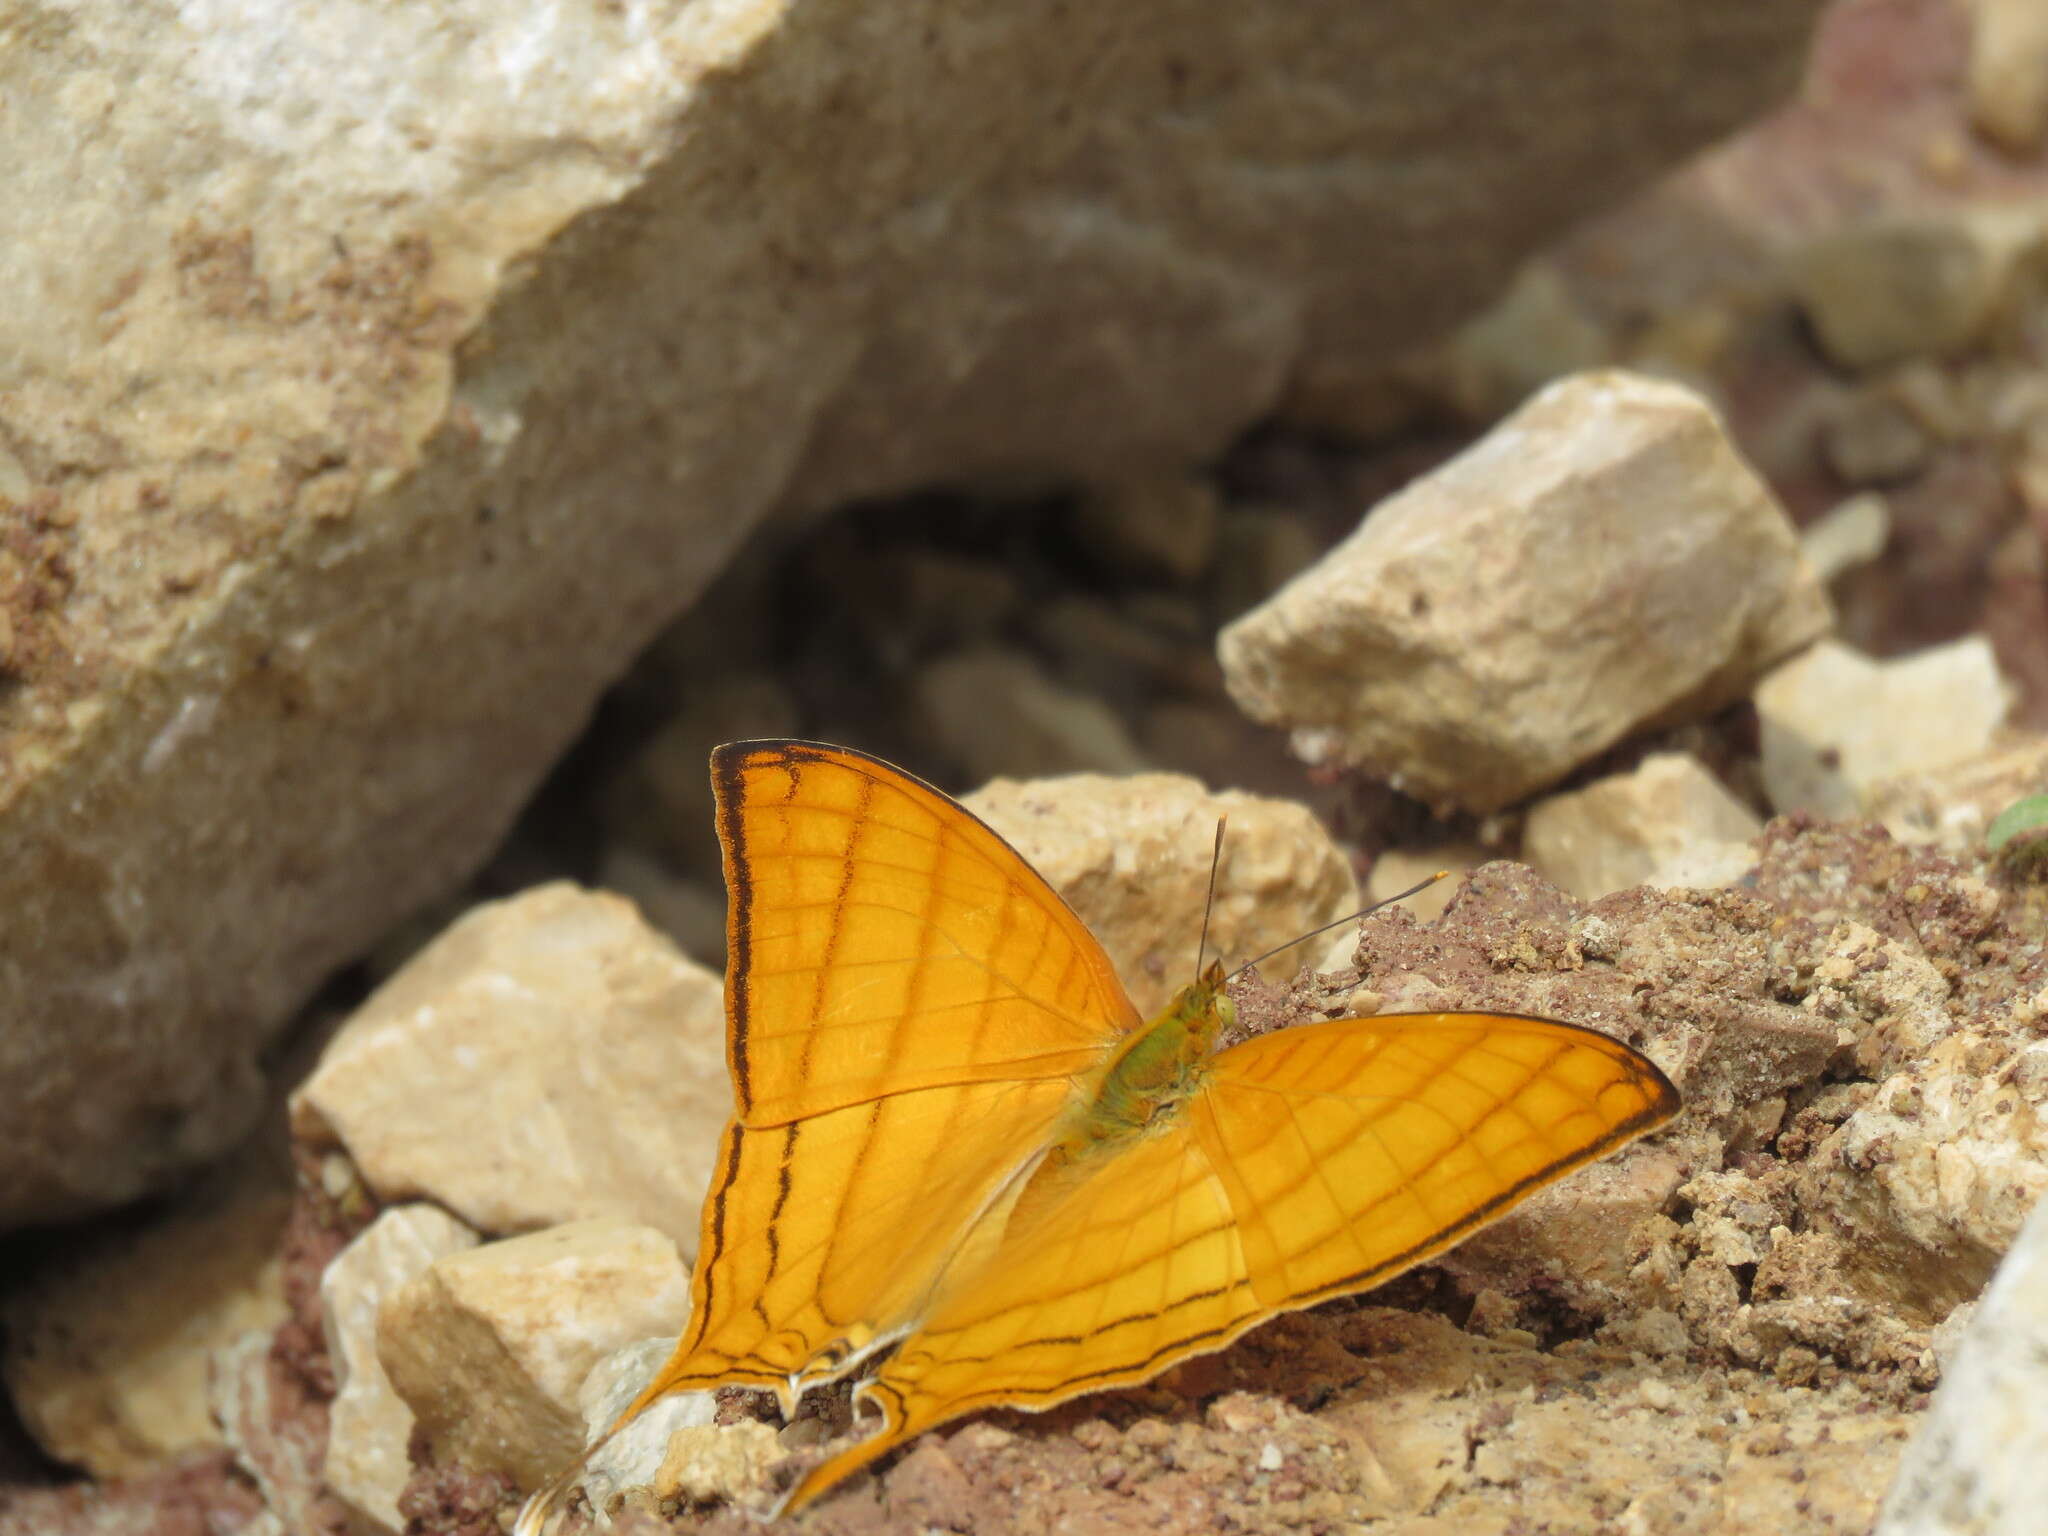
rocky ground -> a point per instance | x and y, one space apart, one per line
1705 670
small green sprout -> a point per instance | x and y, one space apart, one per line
2018 836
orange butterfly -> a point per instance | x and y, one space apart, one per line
953 1135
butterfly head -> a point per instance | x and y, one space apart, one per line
1202 1010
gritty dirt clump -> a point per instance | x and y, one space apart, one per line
455 1500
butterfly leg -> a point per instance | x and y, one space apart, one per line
894 1430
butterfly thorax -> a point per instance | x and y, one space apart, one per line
1153 1071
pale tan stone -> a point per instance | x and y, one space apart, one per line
689 909
1953 806
1889 995
623 1470
1899 286
1932 1179
1667 823
2009 72
550 1057
1132 856
490 1348
368 1426
1851 534
1836 723
279 1450
1533 333
107 1354
716 1461
1870 439
1514 613
389 374
1399 869
1978 1462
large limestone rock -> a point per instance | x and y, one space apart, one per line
1603 560
549 1058
377 378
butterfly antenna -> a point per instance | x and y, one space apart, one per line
1385 901
1209 901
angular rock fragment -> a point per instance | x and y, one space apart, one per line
490 1348
549 1058
1952 806
1900 286
1837 723
630 1463
2009 73
1668 823
716 1461
1848 535
1978 1461
1602 561
1930 1182
369 1425
276 1445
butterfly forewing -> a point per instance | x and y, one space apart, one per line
881 939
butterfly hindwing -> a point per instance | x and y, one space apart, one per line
1312 1162
1354 1148
822 1237
1103 1273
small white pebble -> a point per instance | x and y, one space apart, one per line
1658 1394
1270 1459
336 1175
